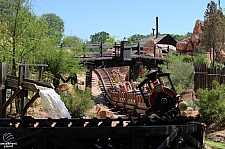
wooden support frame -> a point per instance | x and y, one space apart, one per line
20 85
6 104
92 132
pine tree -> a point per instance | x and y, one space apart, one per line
213 31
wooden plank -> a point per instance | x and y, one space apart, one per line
12 81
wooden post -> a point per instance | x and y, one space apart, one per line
125 51
41 71
154 50
138 48
3 75
115 48
24 93
89 76
2 101
101 48
136 72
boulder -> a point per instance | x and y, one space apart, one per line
182 45
103 112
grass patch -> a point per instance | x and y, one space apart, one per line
215 145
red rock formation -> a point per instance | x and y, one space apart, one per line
182 45
150 43
188 44
197 33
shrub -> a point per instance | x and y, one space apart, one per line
211 103
78 103
200 59
181 73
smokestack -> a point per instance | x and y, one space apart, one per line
157 27
153 31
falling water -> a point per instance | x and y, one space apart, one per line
52 104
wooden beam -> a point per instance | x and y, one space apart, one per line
16 92
39 83
29 103
29 86
11 81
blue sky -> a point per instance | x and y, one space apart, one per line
124 18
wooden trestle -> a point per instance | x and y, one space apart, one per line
114 133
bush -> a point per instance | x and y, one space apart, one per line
211 103
200 59
78 103
181 73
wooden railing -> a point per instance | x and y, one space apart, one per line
136 49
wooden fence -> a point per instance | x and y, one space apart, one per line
204 76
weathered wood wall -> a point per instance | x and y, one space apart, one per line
204 76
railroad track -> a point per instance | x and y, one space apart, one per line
106 81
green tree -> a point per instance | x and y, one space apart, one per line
24 38
22 34
71 40
56 25
178 37
99 37
110 40
62 62
136 38
213 31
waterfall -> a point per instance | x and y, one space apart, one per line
52 104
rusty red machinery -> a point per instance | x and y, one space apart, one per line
163 99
